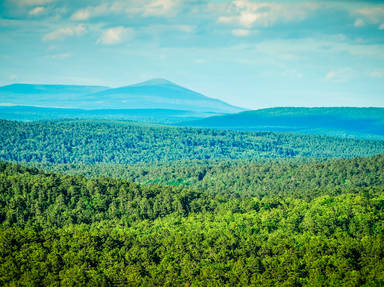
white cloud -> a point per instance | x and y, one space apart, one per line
115 35
36 11
90 12
65 32
330 75
60 56
376 74
248 14
248 18
225 19
31 2
340 75
359 23
160 8
185 28
81 15
240 32
371 15
145 8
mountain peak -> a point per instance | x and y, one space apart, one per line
154 82
151 94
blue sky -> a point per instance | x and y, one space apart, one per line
248 53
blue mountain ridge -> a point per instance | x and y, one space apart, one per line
152 94
353 122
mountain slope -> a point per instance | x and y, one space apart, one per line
338 121
160 94
44 95
153 94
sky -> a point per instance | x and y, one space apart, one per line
253 54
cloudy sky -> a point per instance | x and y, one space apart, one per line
249 53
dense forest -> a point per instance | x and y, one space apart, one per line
293 177
122 203
128 142
72 230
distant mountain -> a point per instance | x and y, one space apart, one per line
159 94
337 121
44 95
161 116
153 94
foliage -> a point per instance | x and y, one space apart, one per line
70 230
126 142
297 178
122 203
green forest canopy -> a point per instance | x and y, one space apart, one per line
293 177
70 230
123 203
128 142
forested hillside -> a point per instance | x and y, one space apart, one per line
348 122
70 230
127 142
124 203
284 177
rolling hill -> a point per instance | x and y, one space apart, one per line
336 121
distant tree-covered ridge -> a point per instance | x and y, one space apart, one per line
160 116
349 122
70 230
128 142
